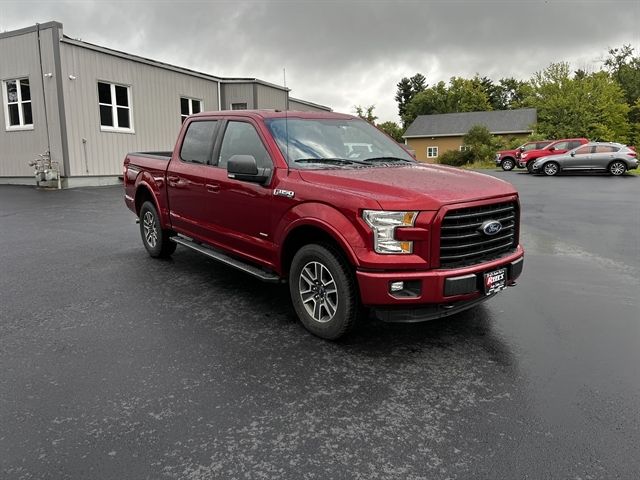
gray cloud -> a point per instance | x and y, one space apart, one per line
343 53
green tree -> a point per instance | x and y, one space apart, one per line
460 95
408 88
392 129
366 113
592 105
624 67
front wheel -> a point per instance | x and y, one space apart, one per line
154 238
551 169
508 164
530 166
323 291
617 168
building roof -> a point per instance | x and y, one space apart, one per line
311 104
456 124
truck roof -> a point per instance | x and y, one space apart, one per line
276 114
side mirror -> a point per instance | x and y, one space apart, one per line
521 149
245 168
573 154
552 149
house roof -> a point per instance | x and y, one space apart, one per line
455 124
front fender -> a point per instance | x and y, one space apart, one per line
327 218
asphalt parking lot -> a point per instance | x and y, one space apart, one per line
117 366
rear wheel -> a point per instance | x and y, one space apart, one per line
617 168
323 291
508 164
154 238
551 168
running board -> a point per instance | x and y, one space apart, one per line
226 259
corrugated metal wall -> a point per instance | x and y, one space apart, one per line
304 107
20 59
155 99
269 97
237 93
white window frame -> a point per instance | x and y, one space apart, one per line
432 152
20 103
114 109
190 100
464 148
246 105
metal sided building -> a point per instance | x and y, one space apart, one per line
89 105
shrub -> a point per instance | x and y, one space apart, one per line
456 158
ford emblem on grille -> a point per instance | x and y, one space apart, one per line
491 227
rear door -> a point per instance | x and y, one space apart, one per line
602 156
186 178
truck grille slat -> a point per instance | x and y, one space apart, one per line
462 243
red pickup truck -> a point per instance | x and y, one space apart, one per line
527 159
507 159
280 196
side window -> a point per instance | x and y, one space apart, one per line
606 149
584 150
197 146
574 144
241 138
561 146
238 106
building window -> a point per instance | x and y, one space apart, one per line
17 104
432 152
463 148
115 107
238 106
189 106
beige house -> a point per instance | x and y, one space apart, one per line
432 135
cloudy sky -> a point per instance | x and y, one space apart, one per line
349 52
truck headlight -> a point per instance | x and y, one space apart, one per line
524 155
384 224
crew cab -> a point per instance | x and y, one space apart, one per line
285 197
527 159
507 159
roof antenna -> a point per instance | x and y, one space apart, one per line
286 118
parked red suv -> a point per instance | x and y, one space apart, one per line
527 159
507 159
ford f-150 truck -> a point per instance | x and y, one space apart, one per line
283 197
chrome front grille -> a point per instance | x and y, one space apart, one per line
462 241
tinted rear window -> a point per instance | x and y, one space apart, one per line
197 146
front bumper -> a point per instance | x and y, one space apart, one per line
432 293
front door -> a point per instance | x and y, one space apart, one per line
239 212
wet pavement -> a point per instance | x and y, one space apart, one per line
114 365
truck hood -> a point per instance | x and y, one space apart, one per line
411 187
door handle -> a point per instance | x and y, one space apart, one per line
213 187
172 180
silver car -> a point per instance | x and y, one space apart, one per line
614 158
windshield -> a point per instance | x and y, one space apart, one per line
328 143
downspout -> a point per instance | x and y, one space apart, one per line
44 96
219 97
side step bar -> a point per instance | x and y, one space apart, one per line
226 259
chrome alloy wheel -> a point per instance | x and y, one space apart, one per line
551 168
318 291
150 230
617 168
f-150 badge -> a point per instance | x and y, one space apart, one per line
278 192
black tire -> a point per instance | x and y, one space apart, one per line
320 280
154 238
508 164
617 168
530 166
551 169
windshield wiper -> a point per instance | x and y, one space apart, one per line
388 159
341 161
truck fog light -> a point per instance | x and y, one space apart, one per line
396 286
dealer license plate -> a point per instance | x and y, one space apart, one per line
495 281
